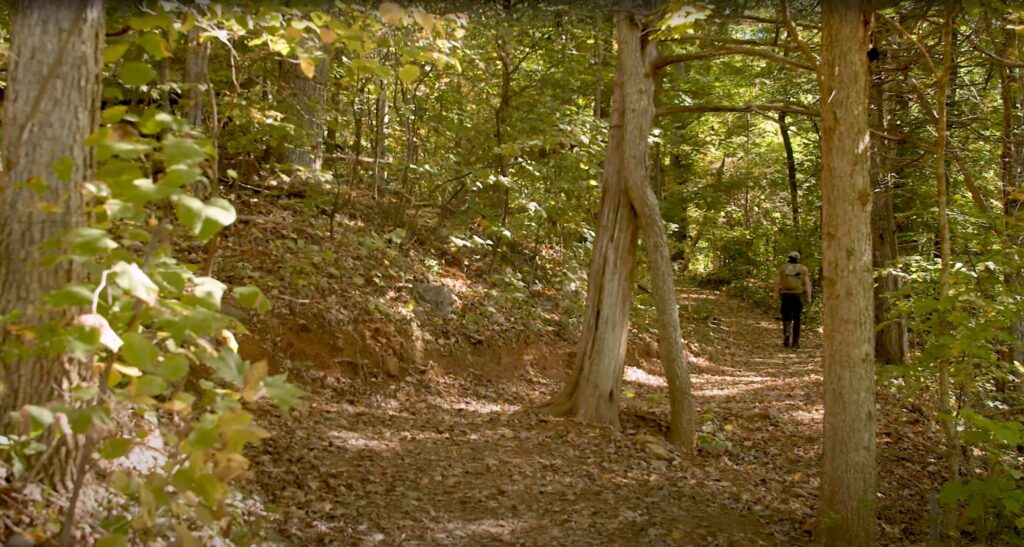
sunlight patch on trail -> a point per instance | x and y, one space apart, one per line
640 376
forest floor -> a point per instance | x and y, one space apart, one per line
452 454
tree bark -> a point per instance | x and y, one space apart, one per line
639 110
306 98
794 196
380 144
891 335
594 390
1011 164
52 104
848 482
196 77
945 255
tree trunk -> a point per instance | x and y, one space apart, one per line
305 106
794 197
639 111
52 105
945 255
501 121
891 338
196 77
1011 164
847 511
380 144
594 390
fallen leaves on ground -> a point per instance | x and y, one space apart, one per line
449 456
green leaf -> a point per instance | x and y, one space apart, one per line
132 279
41 417
113 114
115 448
150 386
178 150
63 168
86 241
137 74
209 292
409 73
228 366
113 540
70 296
190 212
218 213
282 393
151 21
174 367
139 351
154 45
252 297
179 175
114 51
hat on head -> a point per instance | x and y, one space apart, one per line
795 255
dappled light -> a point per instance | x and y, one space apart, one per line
511 273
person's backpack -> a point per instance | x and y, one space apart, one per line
792 278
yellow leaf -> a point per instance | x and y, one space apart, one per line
327 35
251 387
409 73
308 66
127 370
391 13
293 33
425 20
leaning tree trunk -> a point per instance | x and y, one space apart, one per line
847 511
306 98
594 390
891 337
52 105
639 110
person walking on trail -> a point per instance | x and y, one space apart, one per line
793 287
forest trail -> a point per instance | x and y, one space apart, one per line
447 456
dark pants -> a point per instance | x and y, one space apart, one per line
792 307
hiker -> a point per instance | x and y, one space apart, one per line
793 287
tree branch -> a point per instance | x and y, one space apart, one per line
665 61
755 108
1001 61
794 34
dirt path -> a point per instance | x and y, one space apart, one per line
447 458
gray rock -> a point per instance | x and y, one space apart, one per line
435 298
18 540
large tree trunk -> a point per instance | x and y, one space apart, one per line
52 105
306 98
594 390
891 338
847 511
